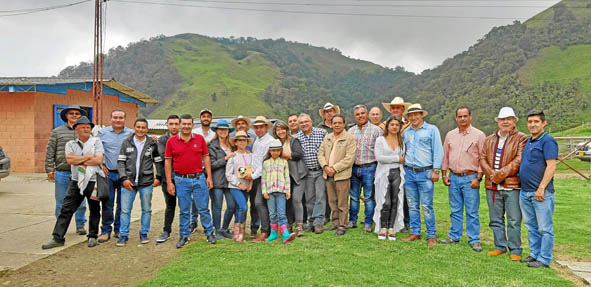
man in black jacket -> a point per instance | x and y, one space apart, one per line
173 124
136 162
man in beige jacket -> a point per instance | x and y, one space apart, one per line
336 156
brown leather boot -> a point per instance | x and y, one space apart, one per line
241 233
300 230
261 237
411 237
236 231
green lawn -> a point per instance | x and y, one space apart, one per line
360 259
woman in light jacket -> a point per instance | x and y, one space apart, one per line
294 154
389 181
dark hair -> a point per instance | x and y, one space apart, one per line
282 125
462 108
118 110
172 117
539 113
339 116
292 115
399 135
186 117
140 120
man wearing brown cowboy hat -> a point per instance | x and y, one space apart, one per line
327 112
397 107
260 148
242 123
56 166
422 165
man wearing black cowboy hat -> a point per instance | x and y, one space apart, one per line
57 168
84 155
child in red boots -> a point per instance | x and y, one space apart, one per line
275 187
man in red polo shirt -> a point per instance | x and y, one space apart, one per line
190 155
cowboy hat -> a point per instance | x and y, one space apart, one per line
416 108
506 112
261 120
65 111
241 135
222 124
241 118
83 120
397 101
275 144
328 106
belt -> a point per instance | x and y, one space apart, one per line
113 171
364 165
419 169
461 174
315 169
192 175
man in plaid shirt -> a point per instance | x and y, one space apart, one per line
364 169
311 138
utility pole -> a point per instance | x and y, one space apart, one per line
97 73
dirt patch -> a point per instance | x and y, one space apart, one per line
104 265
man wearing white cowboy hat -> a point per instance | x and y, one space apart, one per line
327 112
56 166
260 148
500 159
422 164
397 107
242 123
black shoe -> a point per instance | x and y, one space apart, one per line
308 227
528 259
352 224
211 239
448 241
92 242
163 237
405 230
51 244
80 230
182 242
193 227
331 228
340 232
537 264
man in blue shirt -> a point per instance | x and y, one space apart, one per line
536 172
424 155
112 137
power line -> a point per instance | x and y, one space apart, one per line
17 12
320 13
366 5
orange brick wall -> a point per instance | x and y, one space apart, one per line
26 121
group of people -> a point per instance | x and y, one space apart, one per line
294 178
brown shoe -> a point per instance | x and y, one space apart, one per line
261 237
514 257
116 235
431 242
411 237
104 238
300 230
318 229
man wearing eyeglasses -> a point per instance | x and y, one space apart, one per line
57 168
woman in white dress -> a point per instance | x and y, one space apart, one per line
389 181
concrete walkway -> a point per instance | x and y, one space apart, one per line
581 269
27 205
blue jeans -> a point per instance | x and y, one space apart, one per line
218 195
419 192
194 213
362 176
62 179
507 204
537 217
187 191
241 206
108 216
127 198
462 194
276 204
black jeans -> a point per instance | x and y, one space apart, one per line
406 211
71 202
170 201
261 206
390 207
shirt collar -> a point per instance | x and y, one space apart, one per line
538 138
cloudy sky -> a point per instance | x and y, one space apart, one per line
416 35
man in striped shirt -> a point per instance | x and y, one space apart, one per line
364 168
